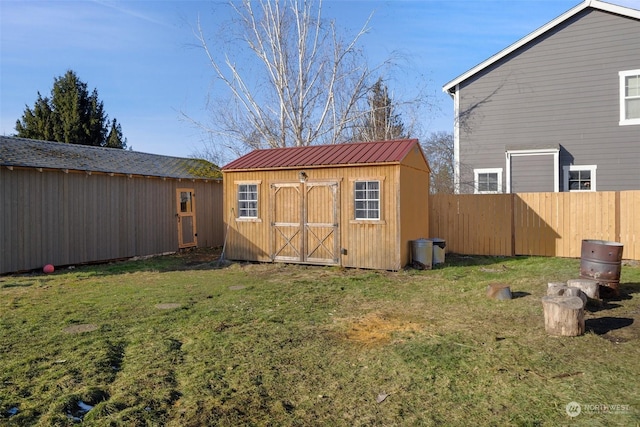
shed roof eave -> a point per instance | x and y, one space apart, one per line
330 166
91 171
450 87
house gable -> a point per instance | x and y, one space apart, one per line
450 87
559 89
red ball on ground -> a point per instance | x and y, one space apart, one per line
48 269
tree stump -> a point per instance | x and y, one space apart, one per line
560 289
556 288
590 287
563 315
499 291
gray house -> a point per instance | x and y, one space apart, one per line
70 204
559 110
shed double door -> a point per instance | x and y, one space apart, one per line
304 222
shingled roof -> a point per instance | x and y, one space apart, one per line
30 153
325 155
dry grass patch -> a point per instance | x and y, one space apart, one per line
376 329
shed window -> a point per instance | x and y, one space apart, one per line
630 97
580 178
186 203
367 200
248 200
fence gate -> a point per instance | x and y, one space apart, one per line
305 222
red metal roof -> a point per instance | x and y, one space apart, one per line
325 155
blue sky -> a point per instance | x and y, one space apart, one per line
143 58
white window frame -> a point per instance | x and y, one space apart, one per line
623 98
555 152
239 216
476 175
379 199
573 168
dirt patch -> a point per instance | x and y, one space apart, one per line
376 329
236 287
168 306
198 256
79 329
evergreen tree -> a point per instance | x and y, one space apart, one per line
37 123
115 139
71 115
381 122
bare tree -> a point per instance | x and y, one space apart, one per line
438 148
301 84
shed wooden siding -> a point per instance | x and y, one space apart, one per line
372 244
70 218
413 208
545 224
368 244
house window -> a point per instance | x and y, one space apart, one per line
247 200
630 97
580 178
367 200
487 180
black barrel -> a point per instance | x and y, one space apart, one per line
601 260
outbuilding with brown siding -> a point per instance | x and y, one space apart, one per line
354 205
69 204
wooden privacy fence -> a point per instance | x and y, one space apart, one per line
545 224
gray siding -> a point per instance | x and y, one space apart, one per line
70 218
531 174
561 89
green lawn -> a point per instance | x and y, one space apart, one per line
178 341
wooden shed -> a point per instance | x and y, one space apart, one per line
69 204
353 205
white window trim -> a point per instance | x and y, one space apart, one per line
367 199
352 204
567 169
477 172
555 152
237 214
623 120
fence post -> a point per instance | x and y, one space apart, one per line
617 217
